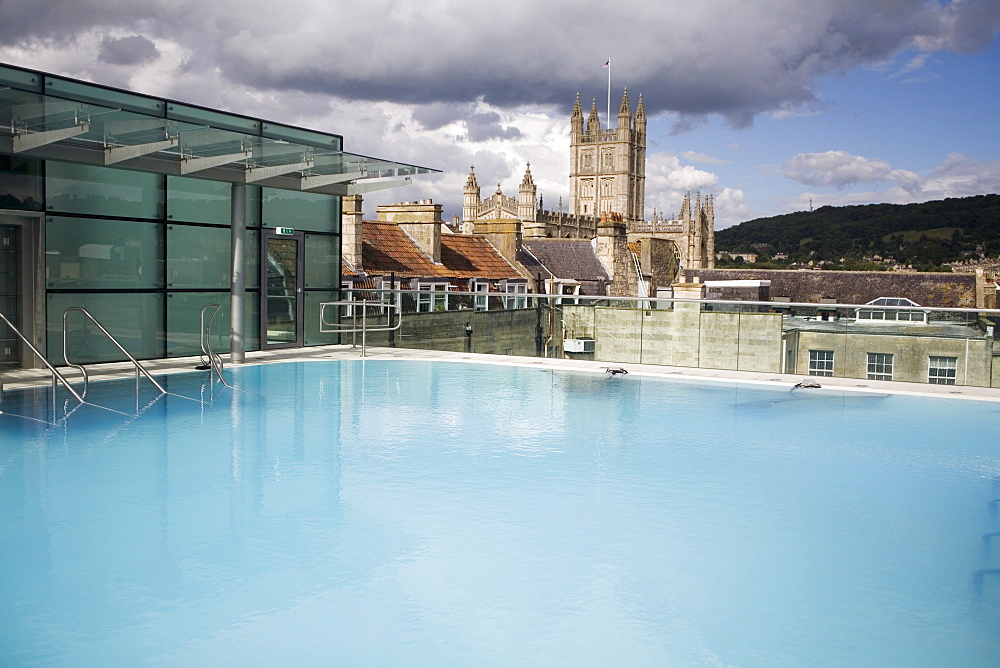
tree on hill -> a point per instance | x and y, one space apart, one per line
926 235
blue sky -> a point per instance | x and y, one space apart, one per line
764 105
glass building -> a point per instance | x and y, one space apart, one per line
138 209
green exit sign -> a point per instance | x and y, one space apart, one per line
284 230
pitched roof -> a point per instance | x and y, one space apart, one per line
855 287
568 258
386 248
467 256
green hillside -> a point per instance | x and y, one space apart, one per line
923 235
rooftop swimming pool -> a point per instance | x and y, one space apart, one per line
429 513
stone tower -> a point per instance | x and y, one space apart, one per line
470 202
607 168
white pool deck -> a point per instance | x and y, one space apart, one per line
21 378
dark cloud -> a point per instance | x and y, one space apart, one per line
134 50
484 126
711 57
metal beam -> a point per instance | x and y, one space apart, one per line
25 141
192 165
260 173
320 180
113 154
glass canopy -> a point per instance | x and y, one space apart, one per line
51 117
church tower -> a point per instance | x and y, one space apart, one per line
608 167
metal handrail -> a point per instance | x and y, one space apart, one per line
138 367
55 374
209 358
337 328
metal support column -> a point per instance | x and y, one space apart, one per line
237 290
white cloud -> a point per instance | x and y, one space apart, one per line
841 169
957 176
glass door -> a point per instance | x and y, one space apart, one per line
281 281
10 294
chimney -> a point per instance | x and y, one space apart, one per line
352 214
422 220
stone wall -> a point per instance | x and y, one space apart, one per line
513 332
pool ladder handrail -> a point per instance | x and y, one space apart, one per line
209 358
336 327
56 376
86 377
139 368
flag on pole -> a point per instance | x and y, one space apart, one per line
607 64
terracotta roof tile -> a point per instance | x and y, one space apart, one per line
386 248
465 256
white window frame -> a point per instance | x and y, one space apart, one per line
480 301
432 296
515 288
821 362
880 366
942 370
348 310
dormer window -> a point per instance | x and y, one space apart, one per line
873 312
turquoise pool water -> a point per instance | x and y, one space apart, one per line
412 513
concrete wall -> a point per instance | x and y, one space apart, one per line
682 336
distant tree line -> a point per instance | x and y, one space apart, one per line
872 237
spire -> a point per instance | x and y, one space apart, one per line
471 181
594 122
625 109
576 120
640 111
527 182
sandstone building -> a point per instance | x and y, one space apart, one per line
607 175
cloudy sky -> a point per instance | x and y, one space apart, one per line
767 104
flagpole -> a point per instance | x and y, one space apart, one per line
609 92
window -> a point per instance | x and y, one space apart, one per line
481 302
879 366
347 295
512 288
432 297
891 315
942 370
820 362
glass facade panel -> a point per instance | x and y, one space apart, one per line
88 254
102 191
314 337
302 136
117 99
135 319
215 119
199 201
198 257
322 261
184 322
20 183
301 211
